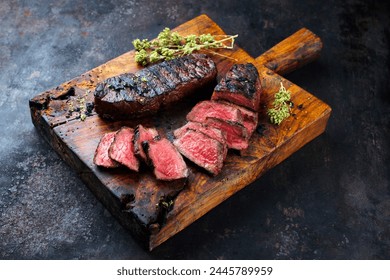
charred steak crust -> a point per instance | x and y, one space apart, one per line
147 91
241 85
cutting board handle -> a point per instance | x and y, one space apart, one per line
292 53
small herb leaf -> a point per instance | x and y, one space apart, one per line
281 106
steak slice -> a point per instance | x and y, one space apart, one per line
101 157
236 134
147 91
204 151
210 131
210 109
240 86
167 162
250 118
122 148
142 134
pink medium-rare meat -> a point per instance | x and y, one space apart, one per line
241 85
204 151
210 131
250 118
122 149
236 134
101 157
167 162
211 109
142 134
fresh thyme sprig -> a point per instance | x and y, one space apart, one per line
281 106
169 45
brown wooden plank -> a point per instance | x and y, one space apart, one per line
135 198
292 53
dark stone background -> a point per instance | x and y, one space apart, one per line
330 200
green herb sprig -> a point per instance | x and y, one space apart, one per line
281 106
170 45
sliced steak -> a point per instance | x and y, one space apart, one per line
250 118
210 109
101 157
122 148
204 151
210 131
240 86
237 136
142 134
167 162
136 95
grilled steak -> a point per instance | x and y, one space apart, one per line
204 151
122 148
142 134
210 131
151 89
240 86
207 109
167 162
250 118
236 134
101 157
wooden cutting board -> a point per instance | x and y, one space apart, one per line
152 210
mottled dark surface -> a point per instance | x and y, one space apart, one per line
330 200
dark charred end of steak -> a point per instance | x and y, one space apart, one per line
241 86
240 78
143 134
122 149
202 150
167 162
102 157
130 96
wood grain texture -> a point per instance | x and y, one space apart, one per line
135 198
293 52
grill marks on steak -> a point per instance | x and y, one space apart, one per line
240 86
226 121
233 112
201 149
122 149
167 162
150 89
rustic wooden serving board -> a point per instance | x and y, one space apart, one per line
155 211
